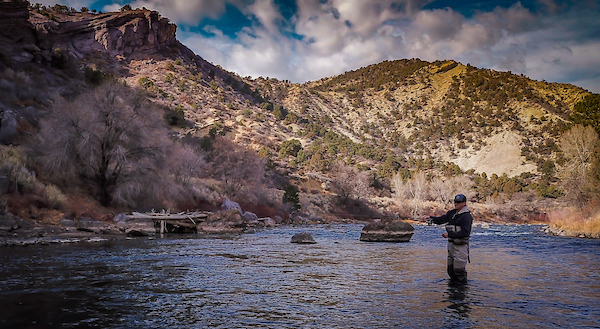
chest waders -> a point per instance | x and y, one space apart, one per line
458 255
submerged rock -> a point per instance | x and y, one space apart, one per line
303 238
387 231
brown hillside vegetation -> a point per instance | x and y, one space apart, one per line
495 136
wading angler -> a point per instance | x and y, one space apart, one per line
458 230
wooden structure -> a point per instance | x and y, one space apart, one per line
170 223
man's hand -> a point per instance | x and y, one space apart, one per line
445 235
428 219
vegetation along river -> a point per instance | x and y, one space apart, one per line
519 278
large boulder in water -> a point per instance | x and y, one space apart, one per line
387 231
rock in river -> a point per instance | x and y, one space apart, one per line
387 231
303 238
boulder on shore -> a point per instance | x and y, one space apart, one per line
387 231
303 238
223 222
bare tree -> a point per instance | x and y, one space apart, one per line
188 165
415 189
348 182
578 145
440 189
110 139
240 170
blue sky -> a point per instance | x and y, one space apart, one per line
305 40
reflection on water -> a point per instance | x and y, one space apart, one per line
518 277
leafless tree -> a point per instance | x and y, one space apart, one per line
578 145
440 190
240 170
348 182
415 189
110 139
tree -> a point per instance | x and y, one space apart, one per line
241 171
291 196
579 145
348 182
126 8
414 189
109 140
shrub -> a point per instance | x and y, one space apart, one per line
145 82
93 77
290 147
59 59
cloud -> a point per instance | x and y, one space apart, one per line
185 11
329 37
77 4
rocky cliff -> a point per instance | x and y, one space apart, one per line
17 34
38 35
139 32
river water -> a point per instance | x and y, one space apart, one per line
518 278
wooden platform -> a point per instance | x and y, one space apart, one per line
188 220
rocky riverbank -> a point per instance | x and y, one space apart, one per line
231 219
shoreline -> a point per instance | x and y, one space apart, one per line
56 235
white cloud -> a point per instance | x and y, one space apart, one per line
184 11
559 42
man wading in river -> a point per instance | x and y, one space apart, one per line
458 230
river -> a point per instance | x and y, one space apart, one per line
518 278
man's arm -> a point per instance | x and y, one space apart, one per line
441 219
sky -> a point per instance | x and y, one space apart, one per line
305 40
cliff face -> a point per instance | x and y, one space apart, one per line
139 32
17 35
34 36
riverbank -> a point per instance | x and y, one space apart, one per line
569 223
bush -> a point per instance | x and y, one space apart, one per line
59 59
290 147
93 77
145 82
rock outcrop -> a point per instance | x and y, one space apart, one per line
387 231
17 35
42 35
139 32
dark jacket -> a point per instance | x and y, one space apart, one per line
459 224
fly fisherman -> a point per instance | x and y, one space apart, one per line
458 230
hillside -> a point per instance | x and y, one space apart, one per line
400 117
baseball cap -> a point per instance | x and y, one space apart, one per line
460 198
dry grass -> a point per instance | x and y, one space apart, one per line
574 223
